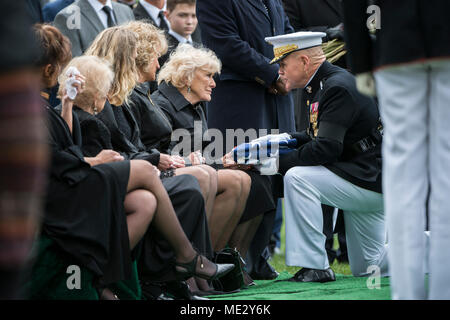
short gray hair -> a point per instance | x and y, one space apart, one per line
184 61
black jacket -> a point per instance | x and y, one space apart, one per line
132 148
173 44
313 15
340 116
154 125
410 30
181 115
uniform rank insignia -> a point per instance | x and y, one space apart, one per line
313 113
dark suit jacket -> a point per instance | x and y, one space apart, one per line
411 30
235 31
90 25
342 117
51 9
314 15
141 14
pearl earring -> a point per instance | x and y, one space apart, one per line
95 110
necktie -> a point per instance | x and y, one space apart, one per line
162 24
109 13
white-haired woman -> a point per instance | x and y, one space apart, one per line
185 83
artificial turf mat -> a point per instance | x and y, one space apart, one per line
344 288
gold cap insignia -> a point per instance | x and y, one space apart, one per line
281 52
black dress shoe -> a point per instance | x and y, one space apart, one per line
313 275
265 272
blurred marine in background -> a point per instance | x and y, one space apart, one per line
410 60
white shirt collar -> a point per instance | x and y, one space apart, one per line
153 11
97 5
179 37
313 75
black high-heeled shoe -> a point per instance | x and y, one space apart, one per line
189 269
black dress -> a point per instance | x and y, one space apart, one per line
114 128
84 209
181 115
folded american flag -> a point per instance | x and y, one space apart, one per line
263 152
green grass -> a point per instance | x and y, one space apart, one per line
278 261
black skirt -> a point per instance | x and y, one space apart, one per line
260 198
88 221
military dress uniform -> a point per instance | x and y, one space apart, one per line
338 163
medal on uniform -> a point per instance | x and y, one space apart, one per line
313 114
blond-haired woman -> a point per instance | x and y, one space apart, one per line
184 191
227 201
185 83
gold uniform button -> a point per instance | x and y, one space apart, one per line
260 81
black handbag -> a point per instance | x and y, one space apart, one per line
234 280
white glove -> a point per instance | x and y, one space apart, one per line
71 73
365 83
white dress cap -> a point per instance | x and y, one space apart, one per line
288 43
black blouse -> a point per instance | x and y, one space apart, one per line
131 147
155 127
182 115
